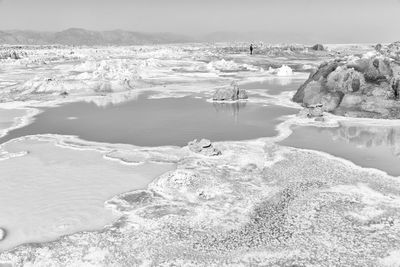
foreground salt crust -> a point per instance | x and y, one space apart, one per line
63 188
257 203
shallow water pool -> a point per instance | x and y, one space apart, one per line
50 191
367 146
157 122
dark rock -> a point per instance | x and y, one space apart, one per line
396 87
391 51
204 147
318 47
379 70
230 94
14 55
355 84
313 111
320 74
367 87
375 62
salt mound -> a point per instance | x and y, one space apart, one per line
228 66
282 71
204 147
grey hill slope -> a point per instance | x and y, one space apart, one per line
77 36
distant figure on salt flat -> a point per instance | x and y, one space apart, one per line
251 49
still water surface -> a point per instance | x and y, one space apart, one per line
367 146
157 122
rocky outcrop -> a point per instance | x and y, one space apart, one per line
12 54
313 111
318 47
232 93
203 147
357 87
378 47
391 51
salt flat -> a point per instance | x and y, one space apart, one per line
79 182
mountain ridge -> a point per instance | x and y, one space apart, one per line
79 36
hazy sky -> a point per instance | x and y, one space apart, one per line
283 20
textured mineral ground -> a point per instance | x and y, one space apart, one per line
213 203
258 204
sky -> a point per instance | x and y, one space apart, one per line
325 21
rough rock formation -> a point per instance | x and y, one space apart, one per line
12 54
230 94
378 47
392 51
313 111
355 87
203 147
318 47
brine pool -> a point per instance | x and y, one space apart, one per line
51 190
158 122
369 146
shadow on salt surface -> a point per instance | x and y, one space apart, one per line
157 122
52 191
368 146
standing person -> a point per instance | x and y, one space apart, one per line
251 49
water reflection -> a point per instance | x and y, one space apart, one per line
366 145
232 108
369 136
157 122
113 99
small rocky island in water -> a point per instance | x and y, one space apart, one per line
366 86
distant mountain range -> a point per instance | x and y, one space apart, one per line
77 36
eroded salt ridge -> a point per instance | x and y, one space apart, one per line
57 72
